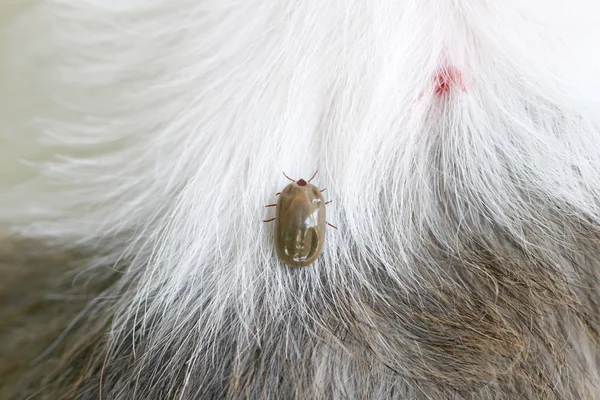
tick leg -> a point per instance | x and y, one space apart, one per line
322 190
272 219
288 177
271 205
334 227
313 177
277 194
329 201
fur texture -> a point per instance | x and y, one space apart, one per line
458 139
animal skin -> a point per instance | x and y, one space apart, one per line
459 141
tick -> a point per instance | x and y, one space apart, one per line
300 222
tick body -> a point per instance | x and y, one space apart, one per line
300 223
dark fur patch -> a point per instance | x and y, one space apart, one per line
488 318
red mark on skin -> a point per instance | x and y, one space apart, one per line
447 77
444 80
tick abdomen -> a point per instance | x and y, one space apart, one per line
300 224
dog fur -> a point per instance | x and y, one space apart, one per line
458 140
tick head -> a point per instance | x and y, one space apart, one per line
301 182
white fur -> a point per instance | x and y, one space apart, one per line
157 131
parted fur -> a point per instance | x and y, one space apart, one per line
458 139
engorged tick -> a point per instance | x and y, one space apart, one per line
300 227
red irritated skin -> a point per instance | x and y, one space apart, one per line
300 224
